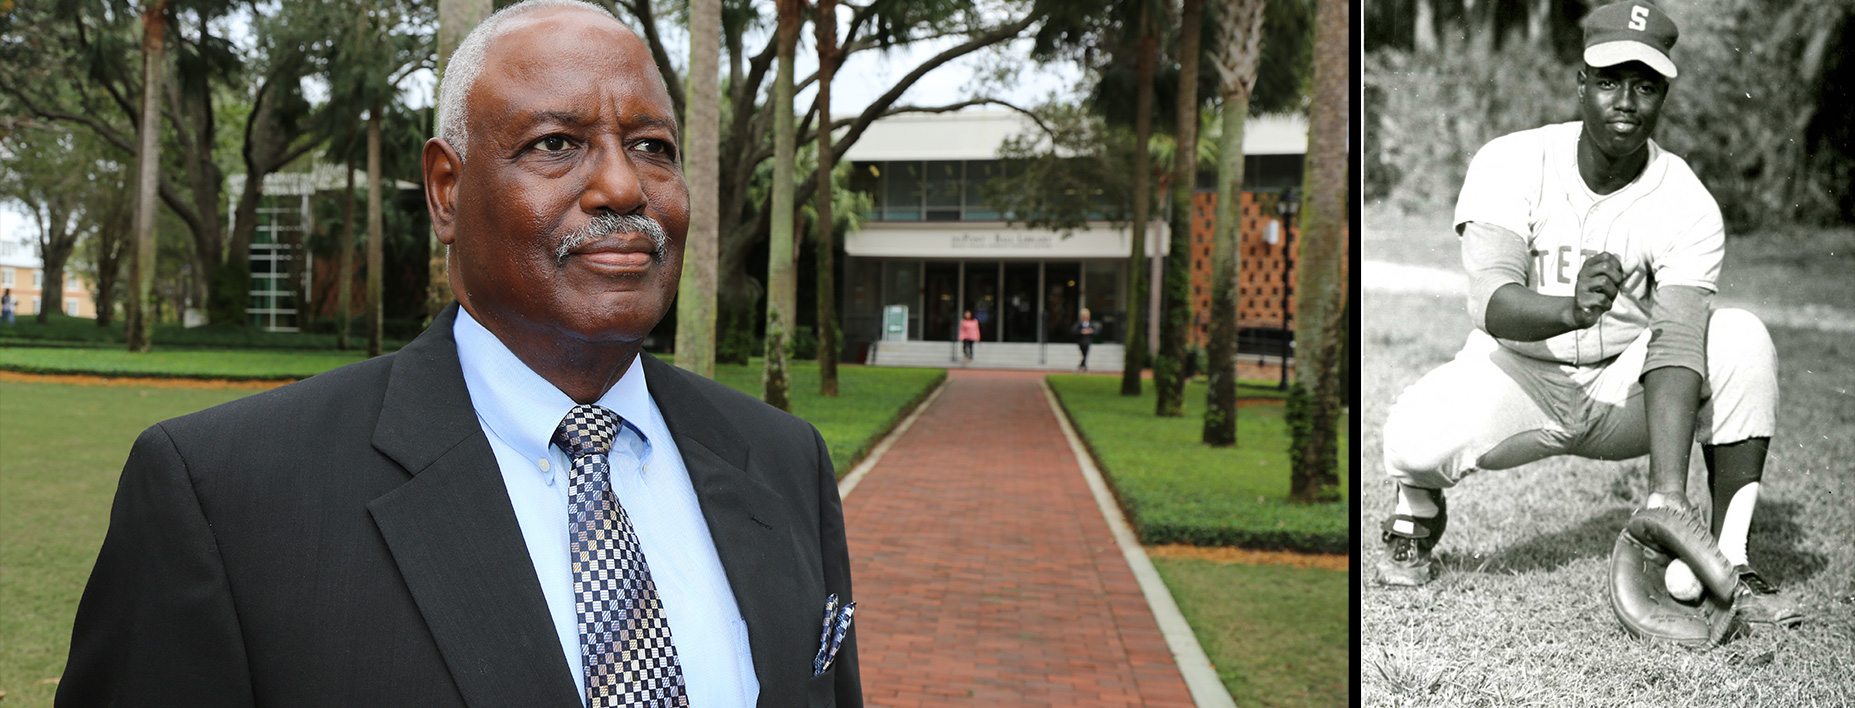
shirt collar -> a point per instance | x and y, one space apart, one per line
1567 158
522 408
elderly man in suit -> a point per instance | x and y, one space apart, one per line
519 508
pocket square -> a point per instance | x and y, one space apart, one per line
836 625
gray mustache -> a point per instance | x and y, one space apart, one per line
608 223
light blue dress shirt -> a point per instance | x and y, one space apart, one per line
519 412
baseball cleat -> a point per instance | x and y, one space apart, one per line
1407 560
1759 602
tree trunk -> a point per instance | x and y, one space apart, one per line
695 300
1138 264
1423 37
376 308
827 245
782 286
55 245
344 278
140 330
113 234
1238 58
455 20
1169 368
1220 414
1314 401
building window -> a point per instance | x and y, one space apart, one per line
901 191
941 189
70 306
71 284
6 277
38 281
35 306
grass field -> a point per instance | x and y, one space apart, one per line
62 447
1278 635
1177 490
64 330
236 364
1519 616
56 482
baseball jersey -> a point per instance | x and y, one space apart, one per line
1664 227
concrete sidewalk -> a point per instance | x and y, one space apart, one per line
985 573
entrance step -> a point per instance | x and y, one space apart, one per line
1055 356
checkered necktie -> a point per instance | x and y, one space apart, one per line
625 644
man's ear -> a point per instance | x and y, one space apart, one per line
442 168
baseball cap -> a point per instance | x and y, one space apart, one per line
1630 31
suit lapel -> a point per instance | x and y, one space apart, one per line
750 538
455 538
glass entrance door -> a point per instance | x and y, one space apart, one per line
982 297
941 316
1019 311
1061 305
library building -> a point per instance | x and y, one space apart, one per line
932 249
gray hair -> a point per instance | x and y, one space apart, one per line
466 63
608 223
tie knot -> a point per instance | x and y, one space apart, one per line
587 430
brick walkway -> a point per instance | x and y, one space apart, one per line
985 574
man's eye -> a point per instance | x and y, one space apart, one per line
654 146
552 143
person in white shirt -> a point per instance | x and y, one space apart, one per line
1593 256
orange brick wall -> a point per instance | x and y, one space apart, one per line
1259 274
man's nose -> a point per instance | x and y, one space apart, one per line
614 184
1626 99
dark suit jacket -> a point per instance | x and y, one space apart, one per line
347 541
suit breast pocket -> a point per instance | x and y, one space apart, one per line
822 691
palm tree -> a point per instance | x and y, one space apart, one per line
1169 367
1320 327
827 310
695 298
1237 60
1135 338
782 283
140 334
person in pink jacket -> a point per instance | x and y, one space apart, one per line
969 333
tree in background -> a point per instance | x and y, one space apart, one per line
1169 367
747 132
1314 403
140 330
378 45
51 177
825 225
782 282
695 296
1237 57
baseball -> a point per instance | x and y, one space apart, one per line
1682 584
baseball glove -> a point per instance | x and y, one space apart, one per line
1639 594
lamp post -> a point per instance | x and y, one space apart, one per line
1286 205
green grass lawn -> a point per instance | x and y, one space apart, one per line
61 450
64 330
1519 616
240 364
871 400
62 447
1279 636
1177 490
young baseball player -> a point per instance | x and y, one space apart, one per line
1593 257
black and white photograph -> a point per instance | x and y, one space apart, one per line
1608 414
